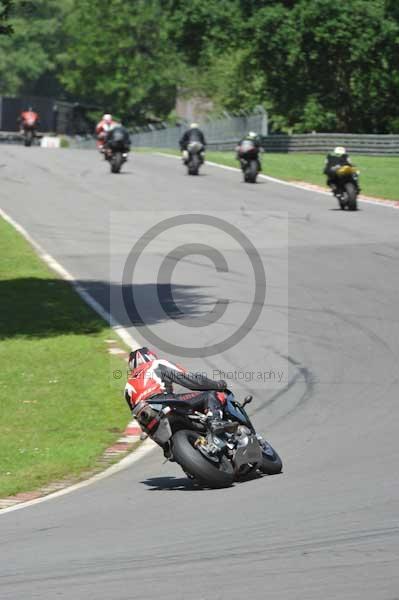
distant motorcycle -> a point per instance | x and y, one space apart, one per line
195 157
116 149
210 454
346 187
248 154
29 126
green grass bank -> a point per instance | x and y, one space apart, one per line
378 175
60 406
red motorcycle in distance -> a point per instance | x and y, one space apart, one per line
29 121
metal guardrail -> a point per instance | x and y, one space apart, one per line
373 144
223 134
11 137
220 133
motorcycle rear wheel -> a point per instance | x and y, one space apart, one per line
116 162
193 462
28 138
193 165
252 171
351 196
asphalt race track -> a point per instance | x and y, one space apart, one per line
327 527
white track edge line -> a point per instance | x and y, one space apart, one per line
383 203
115 326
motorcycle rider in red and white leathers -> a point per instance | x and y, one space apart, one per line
28 118
102 128
151 377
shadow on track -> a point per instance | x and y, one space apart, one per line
346 211
38 307
181 484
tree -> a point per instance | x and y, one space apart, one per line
326 66
119 57
313 64
201 29
5 9
28 57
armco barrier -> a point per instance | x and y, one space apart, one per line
220 133
223 134
377 145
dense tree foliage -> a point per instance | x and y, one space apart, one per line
5 8
314 64
28 56
119 56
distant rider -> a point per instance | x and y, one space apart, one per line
253 137
28 118
338 158
102 128
117 133
151 378
193 134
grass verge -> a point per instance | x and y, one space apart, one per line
378 174
59 404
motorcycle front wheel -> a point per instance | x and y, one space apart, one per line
271 462
341 202
192 461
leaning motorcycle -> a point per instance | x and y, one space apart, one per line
195 157
116 151
248 154
213 455
347 187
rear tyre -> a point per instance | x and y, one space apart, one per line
193 165
351 196
116 162
271 462
193 462
28 138
252 171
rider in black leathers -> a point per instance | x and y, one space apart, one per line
338 158
194 134
255 139
118 133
